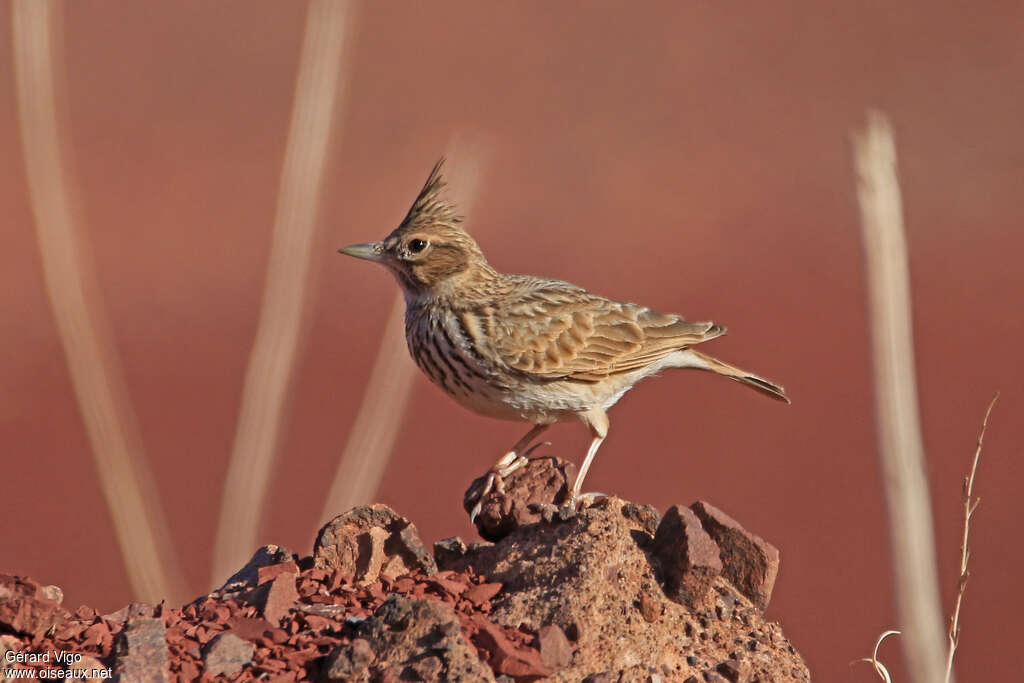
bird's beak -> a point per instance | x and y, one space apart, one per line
371 251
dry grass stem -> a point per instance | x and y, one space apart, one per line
272 360
127 483
899 432
873 660
372 438
970 504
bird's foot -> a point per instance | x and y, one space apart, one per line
495 481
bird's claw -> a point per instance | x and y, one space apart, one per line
488 486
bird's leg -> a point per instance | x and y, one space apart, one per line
509 463
597 420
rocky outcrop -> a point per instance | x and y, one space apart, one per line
614 592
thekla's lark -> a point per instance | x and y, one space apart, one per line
528 348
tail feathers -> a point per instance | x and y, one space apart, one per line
705 362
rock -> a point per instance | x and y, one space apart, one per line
555 650
226 655
88 665
646 516
651 607
603 677
402 630
750 563
588 576
141 652
276 598
24 607
349 662
506 657
448 550
247 577
542 480
724 607
271 571
53 593
371 540
734 671
8 643
481 593
688 556
133 609
248 628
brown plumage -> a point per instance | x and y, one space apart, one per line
522 347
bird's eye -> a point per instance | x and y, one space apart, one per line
417 245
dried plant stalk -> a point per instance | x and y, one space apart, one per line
970 503
372 438
272 360
899 432
127 483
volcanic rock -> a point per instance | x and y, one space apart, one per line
369 541
541 481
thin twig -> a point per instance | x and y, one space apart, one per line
970 504
899 432
128 485
275 349
371 440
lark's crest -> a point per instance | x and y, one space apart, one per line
432 207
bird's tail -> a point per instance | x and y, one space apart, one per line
701 361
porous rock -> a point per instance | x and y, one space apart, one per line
400 637
588 575
448 550
369 541
541 481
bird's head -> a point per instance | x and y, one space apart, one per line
429 252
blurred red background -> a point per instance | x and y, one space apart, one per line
693 157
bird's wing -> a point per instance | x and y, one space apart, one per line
558 331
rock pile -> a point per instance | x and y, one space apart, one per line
612 593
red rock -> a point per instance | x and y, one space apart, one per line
316 623
246 578
749 562
271 571
22 608
688 556
141 654
249 628
482 593
448 586
98 635
189 671
276 598
506 657
555 650
134 609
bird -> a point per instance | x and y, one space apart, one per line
522 347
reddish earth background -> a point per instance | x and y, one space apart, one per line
691 157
